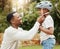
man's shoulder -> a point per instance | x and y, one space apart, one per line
8 29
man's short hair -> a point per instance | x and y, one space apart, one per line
10 16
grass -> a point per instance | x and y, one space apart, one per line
38 47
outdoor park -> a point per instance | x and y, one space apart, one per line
27 9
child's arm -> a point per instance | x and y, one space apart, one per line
49 30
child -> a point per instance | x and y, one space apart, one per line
47 28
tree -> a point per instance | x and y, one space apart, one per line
30 16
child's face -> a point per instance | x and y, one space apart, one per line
42 11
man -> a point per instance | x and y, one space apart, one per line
14 33
47 28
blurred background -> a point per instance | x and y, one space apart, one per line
27 10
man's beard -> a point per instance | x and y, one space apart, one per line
20 24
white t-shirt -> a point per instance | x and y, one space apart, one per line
12 35
46 24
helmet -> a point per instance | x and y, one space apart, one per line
45 4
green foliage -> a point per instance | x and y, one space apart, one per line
5 8
56 16
30 17
3 23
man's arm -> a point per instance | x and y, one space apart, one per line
27 35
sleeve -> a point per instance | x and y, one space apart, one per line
27 35
49 23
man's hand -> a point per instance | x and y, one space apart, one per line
41 19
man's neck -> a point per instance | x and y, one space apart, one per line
14 26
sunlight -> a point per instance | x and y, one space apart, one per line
17 4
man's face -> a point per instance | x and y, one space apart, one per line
16 19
